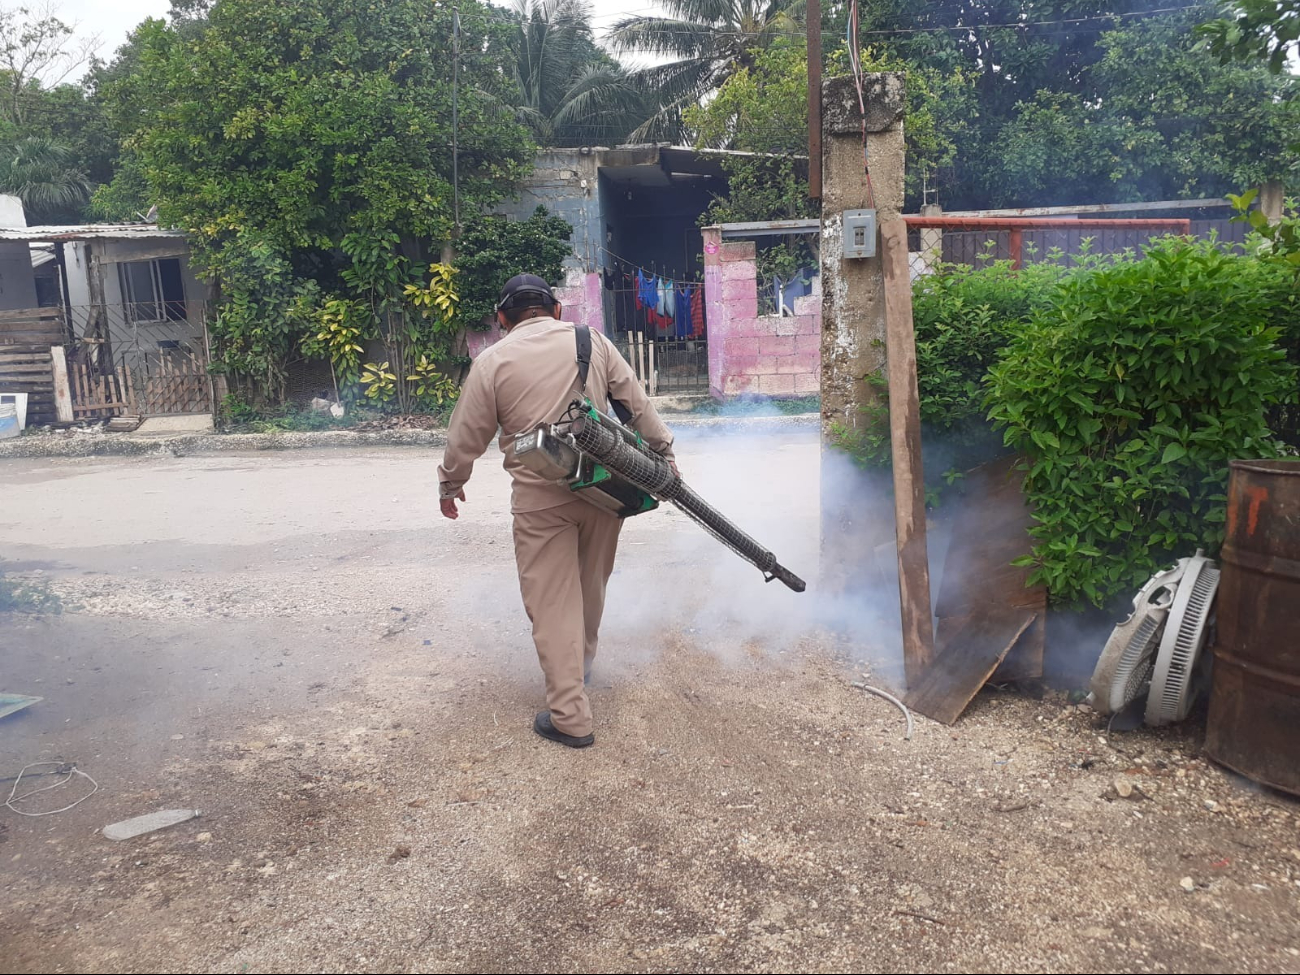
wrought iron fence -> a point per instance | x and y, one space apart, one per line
146 358
666 341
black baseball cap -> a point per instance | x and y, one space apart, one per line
524 291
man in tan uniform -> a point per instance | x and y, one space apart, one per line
564 546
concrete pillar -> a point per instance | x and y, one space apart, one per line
931 237
857 516
1272 201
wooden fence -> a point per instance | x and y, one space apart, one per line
153 385
32 328
98 396
174 383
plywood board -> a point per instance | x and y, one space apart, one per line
972 648
992 532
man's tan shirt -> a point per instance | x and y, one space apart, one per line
530 377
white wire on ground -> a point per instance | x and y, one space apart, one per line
70 771
892 700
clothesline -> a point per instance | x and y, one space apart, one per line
632 266
653 303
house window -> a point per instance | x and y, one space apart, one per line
48 294
153 291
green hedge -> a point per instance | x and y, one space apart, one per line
964 318
1128 384
1129 395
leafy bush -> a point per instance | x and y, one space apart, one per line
1278 244
1129 396
493 249
964 317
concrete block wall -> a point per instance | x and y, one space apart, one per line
582 303
752 354
565 181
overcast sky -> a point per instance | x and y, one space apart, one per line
112 20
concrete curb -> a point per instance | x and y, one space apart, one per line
130 445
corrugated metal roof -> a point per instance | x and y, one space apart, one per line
91 231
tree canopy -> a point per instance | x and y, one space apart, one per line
307 148
44 175
571 92
1064 103
1153 118
1009 104
706 42
1268 29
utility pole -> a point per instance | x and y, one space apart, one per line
858 523
455 114
815 99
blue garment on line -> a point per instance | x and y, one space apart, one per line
667 303
647 289
797 287
682 302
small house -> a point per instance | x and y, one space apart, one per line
118 304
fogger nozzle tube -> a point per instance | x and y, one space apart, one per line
618 449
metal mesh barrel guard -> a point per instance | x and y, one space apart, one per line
652 473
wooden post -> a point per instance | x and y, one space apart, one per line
814 16
128 397
62 388
905 442
79 381
639 338
1272 201
99 325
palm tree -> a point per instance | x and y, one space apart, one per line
707 41
573 92
43 174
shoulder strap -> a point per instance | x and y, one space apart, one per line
582 336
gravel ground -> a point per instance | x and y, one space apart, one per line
343 684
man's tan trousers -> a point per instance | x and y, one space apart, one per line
565 556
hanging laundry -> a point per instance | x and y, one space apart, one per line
666 301
642 289
682 311
697 312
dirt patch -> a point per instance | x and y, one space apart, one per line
767 818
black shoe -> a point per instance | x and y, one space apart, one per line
542 725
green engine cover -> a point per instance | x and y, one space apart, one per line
611 492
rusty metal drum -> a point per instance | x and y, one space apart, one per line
1254 722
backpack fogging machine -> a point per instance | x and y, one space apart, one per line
607 464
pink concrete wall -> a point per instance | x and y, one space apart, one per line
765 355
583 304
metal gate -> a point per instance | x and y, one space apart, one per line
666 344
129 362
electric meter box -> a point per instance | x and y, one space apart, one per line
859 233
